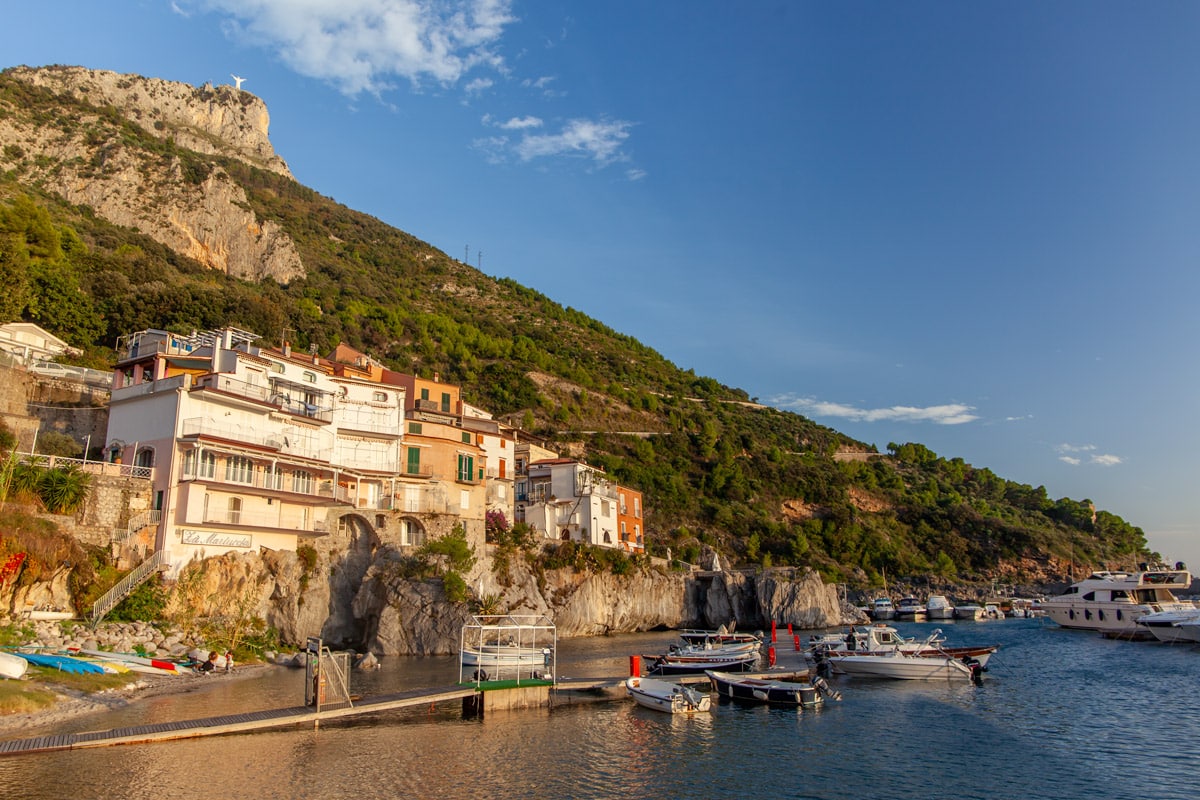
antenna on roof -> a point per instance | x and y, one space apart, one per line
239 81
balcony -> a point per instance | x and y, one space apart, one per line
249 519
224 384
148 388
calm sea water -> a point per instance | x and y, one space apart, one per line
1060 714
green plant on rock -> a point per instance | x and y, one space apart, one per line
456 587
63 490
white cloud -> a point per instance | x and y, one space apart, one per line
1097 459
950 414
361 45
521 123
478 85
598 140
635 174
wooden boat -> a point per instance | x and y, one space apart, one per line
761 689
12 666
667 696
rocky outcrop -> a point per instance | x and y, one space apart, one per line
187 204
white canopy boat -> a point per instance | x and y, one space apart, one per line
938 607
882 609
923 661
668 696
970 611
505 656
1112 602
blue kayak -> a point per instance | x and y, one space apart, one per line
64 663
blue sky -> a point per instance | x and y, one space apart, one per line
971 225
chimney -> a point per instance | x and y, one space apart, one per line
435 378
287 349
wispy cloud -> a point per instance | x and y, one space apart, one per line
1066 456
597 140
514 124
362 45
478 85
635 174
949 414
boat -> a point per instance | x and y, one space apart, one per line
1165 625
969 611
673 664
719 636
908 660
800 691
879 638
910 608
667 696
135 662
12 666
1112 602
63 663
505 656
993 611
1189 629
713 648
882 609
938 607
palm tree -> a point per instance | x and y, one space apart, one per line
64 489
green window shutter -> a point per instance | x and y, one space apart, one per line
414 460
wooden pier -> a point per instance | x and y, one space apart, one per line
232 723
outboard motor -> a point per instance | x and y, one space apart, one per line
976 668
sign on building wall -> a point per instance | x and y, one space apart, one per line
213 539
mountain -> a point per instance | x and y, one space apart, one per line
129 203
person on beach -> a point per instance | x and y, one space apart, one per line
209 665
228 661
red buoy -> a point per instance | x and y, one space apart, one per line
635 666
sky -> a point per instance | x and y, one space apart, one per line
969 225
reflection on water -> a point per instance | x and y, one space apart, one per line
1060 715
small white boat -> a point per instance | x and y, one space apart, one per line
906 666
1189 629
719 636
12 666
882 608
505 656
970 611
938 607
993 611
880 638
668 696
911 609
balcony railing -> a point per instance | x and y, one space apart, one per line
250 519
228 385
91 466
283 441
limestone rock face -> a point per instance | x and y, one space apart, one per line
188 205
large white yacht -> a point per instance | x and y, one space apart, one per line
1111 602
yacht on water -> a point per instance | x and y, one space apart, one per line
938 607
1112 602
882 608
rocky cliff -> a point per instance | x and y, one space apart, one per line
181 201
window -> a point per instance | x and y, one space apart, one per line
310 377
414 461
239 470
466 467
424 394
414 427
604 509
466 437
445 401
464 499
637 507
208 464
234 517
411 533
302 482
272 477
380 397
305 513
380 520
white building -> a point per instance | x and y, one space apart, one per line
567 500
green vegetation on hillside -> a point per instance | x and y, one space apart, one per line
759 485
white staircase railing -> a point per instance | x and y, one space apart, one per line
142 520
139 575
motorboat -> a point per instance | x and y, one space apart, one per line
1189 629
911 609
719 636
505 656
938 607
800 691
12 666
969 611
878 638
926 660
1165 625
993 611
711 648
694 664
882 609
1112 602
667 696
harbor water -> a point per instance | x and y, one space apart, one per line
1060 714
